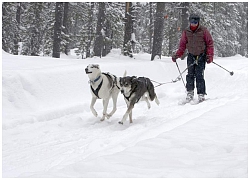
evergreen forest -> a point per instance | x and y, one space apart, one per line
95 28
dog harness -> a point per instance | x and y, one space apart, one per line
100 85
128 96
97 89
132 91
113 82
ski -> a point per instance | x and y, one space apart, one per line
183 102
192 102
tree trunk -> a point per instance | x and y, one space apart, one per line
66 27
172 33
57 30
98 47
127 46
184 15
150 26
107 39
90 30
158 30
17 38
36 38
184 19
243 35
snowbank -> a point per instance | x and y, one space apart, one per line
49 131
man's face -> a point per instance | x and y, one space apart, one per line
194 23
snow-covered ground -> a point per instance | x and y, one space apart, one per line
48 129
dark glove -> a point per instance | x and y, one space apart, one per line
210 59
174 57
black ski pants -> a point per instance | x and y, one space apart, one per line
196 71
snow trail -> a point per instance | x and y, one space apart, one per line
49 130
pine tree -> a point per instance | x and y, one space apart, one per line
127 44
17 38
35 26
243 33
57 30
81 46
98 47
151 26
83 23
158 30
65 28
184 15
104 33
90 29
107 41
48 30
10 27
29 27
114 15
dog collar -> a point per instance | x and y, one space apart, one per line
95 79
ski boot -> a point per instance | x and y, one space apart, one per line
201 97
190 96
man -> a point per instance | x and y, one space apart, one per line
199 43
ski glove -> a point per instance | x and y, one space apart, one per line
209 59
174 57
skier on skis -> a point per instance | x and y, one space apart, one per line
199 43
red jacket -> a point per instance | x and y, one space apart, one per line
196 42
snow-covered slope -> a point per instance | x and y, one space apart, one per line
49 131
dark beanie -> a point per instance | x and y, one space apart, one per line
194 18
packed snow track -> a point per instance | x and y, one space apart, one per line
48 129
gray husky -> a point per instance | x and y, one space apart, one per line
135 89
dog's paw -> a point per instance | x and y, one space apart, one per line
148 105
103 118
94 113
120 122
108 116
157 101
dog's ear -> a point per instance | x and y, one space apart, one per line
125 74
133 79
134 82
96 66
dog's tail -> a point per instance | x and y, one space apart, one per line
151 90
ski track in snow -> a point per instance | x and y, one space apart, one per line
63 139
